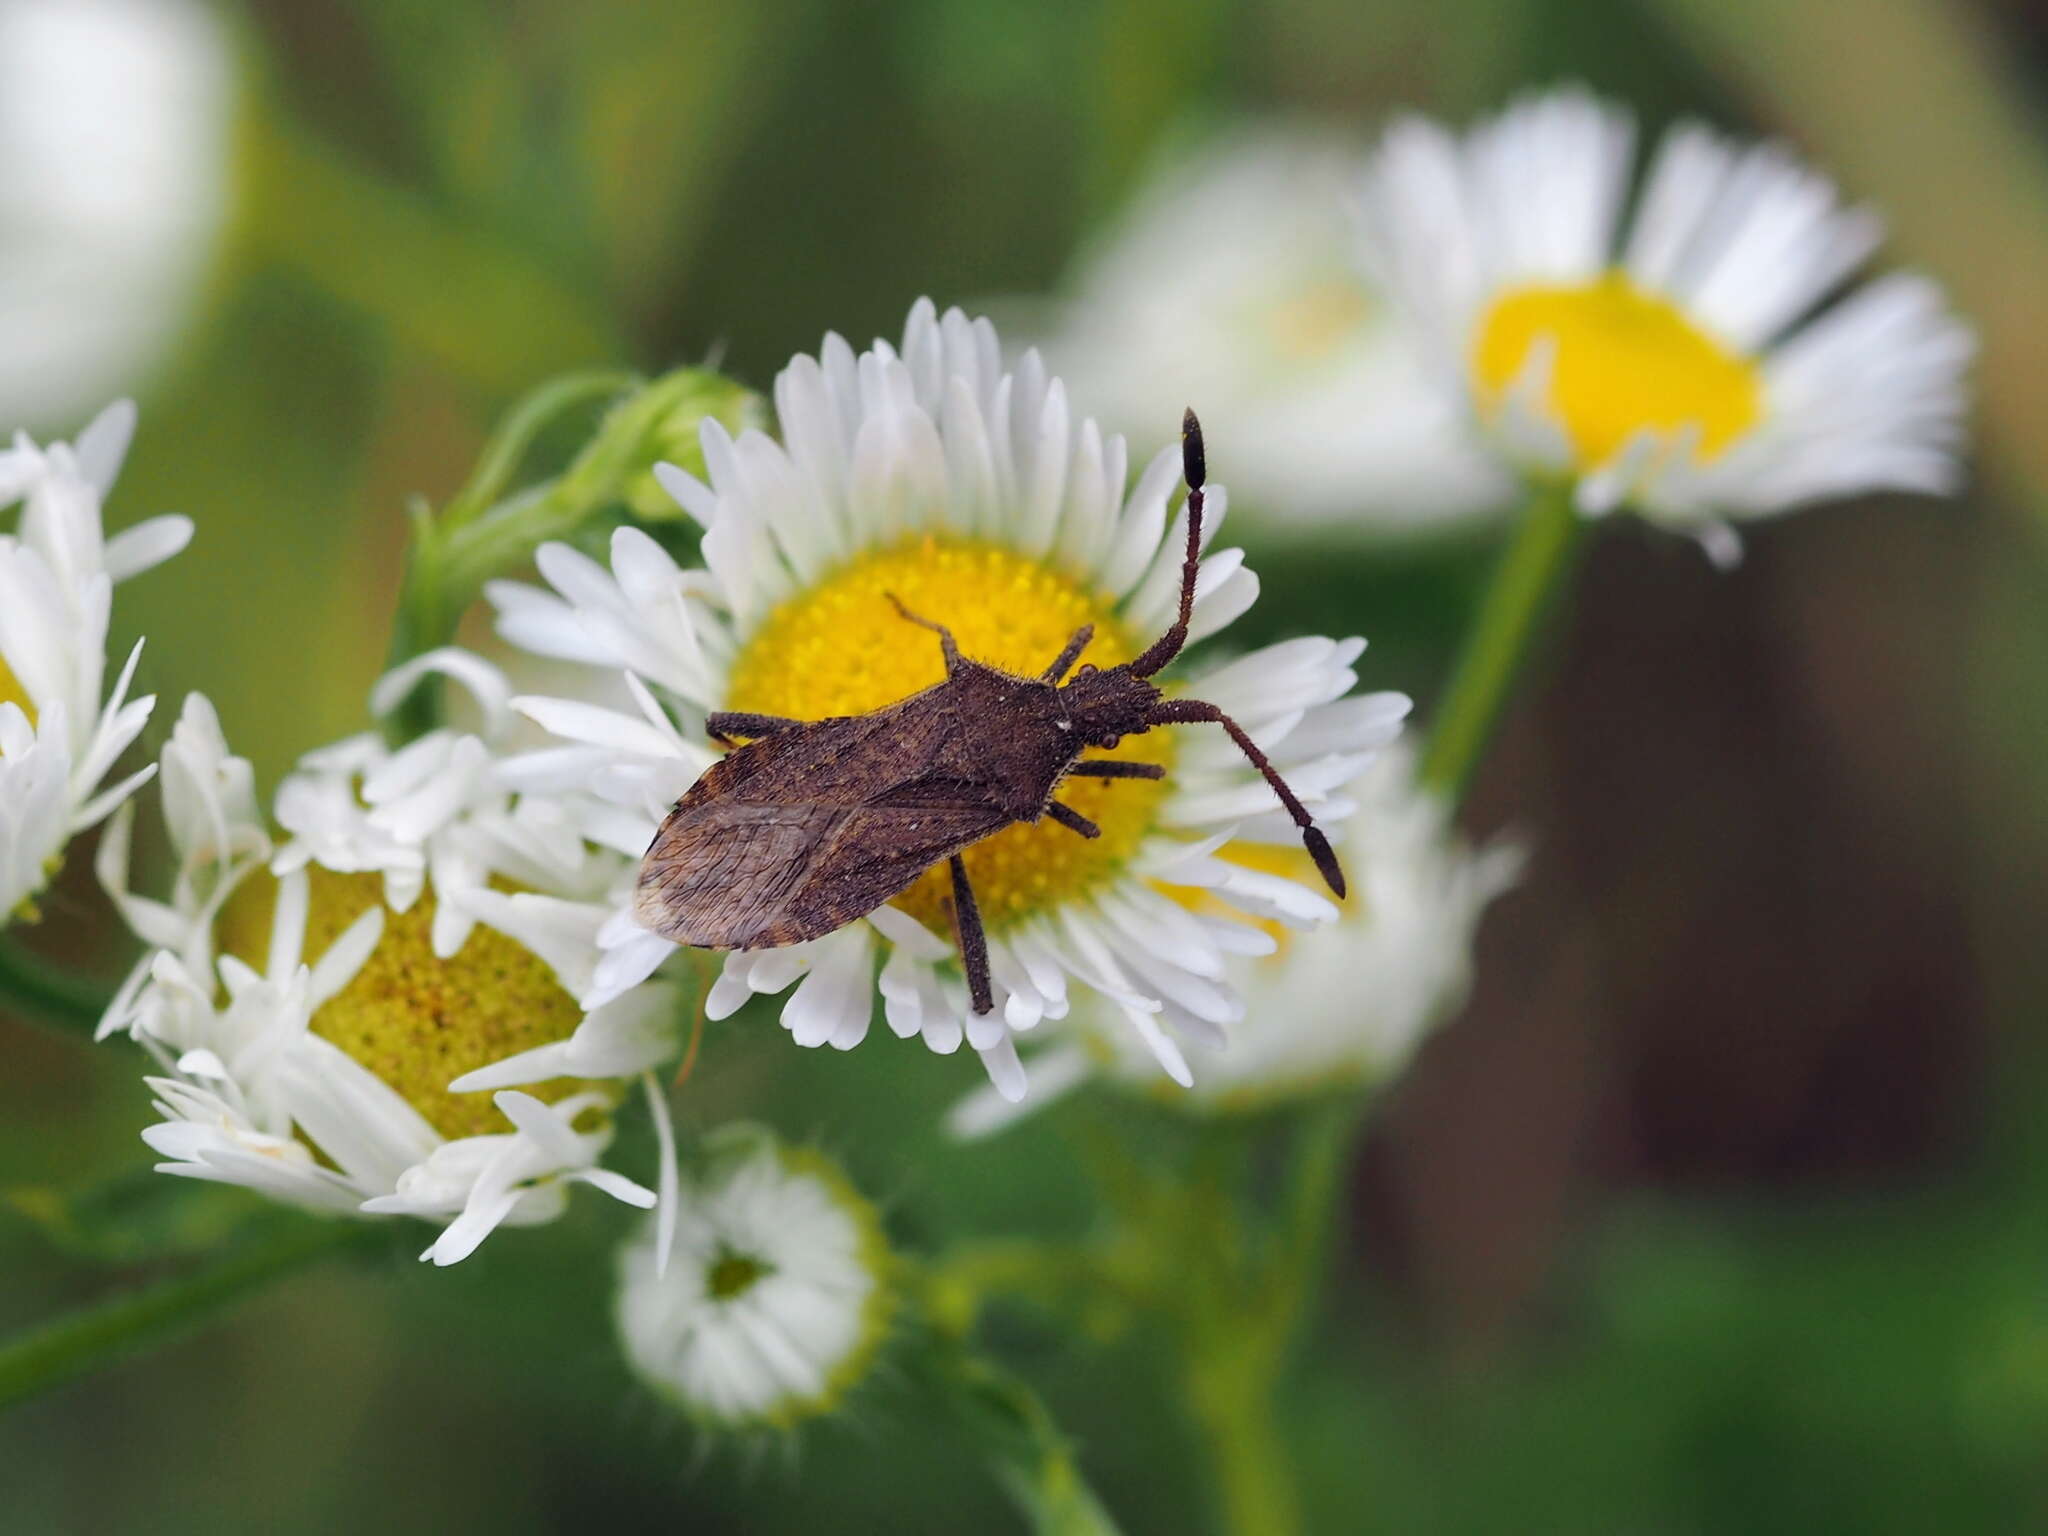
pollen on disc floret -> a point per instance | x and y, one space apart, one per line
414 1019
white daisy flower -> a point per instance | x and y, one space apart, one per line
117 122
776 1297
60 732
1232 274
968 493
1696 352
330 1035
1346 1010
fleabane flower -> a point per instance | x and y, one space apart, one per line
1322 1016
61 729
1232 273
117 128
776 1296
932 475
1696 349
346 1023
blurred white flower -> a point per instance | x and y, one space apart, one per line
58 739
337 1030
1701 357
1232 281
116 150
1349 1009
967 492
776 1296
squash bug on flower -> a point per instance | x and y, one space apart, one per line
811 825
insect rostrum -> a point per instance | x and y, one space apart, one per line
812 824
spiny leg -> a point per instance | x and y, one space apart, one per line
1195 712
723 725
1070 655
1194 467
1115 768
946 645
972 938
1072 819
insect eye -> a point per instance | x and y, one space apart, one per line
1110 743
1087 669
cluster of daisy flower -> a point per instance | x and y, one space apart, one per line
1464 313
416 983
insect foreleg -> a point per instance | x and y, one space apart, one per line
1195 712
946 645
1066 658
725 724
1072 819
972 939
1116 768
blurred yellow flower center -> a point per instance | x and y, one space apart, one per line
733 1273
1310 322
1288 859
11 692
842 649
416 1020
1626 360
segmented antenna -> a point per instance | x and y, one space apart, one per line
1195 469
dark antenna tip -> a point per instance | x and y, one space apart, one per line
1326 859
1192 464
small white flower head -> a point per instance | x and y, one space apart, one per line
1233 275
117 125
931 474
1346 1011
1697 351
776 1296
383 1020
61 731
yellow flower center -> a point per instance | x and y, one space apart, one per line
416 1020
11 692
1268 859
1310 322
1626 360
842 649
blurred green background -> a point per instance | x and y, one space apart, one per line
1724 1207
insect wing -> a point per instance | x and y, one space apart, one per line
800 833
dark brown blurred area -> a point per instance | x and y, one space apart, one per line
1743 959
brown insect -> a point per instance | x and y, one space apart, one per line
813 824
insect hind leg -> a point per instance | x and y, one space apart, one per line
973 939
946 645
722 726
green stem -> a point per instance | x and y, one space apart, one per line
110 1331
1230 1393
1320 1157
1530 571
1017 1437
37 991
515 435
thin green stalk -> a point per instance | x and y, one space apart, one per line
1319 1158
35 990
1230 1393
515 435
1018 1439
1530 572
107 1332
